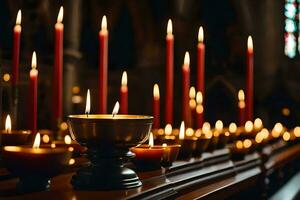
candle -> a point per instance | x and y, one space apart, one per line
16 48
192 104
185 89
156 107
249 83
169 74
124 94
58 70
170 154
33 89
241 107
187 141
88 103
199 110
103 56
201 62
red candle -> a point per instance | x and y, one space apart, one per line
16 49
33 89
185 88
156 107
249 83
103 54
241 107
199 110
58 69
169 74
192 104
201 62
124 94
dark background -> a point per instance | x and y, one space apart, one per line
137 44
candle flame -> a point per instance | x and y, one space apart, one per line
205 127
151 140
200 35
278 127
168 129
241 95
297 131
219 125
199 98
258 123
8 124
19 18
232 127
169 27
247 143
156 92
248 126
239 144
250 43
37 141
116 109
104 23
33 61
286 136
124 79
60 15
182 131
186 61
164 145
88 103
192 92
68 139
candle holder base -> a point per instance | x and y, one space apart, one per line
33 184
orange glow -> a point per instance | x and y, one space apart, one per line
192 93
60 15
192 104
219 125
186 61
199 109
241 95
250 44
168 129
278 127
247 143
164 145
232 127
116 109
71 149
258 124
53 145
151 140
170 27
182 130
208 134
72 161
33 61
286 136
88 103
104 23
265 133
248 126
297 131
239 144
68 139
46 138
19 18
189 132
199 97
156 94
205 127
124 79
200 35
8 124
37 141
227 133
198 133
259 137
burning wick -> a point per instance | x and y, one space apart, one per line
37 141
151 140
88 103
8 124
116 109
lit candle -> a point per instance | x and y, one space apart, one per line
201 62
241 107
169 74
8 124
58 70
156 107
249 83
199 110
124 94
115 109
88 103
103 57
185 89
33 94
187 141
16 49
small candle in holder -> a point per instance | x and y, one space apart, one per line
188 143
202 142
124 94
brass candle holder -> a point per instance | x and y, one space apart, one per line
108 139
202 143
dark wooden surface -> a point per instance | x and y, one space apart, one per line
213 176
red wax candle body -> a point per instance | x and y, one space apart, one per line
148 153
201 80
58 73
185 93
16 53
169 78
124 99
249 83
103 54
241 115
199 120
33 89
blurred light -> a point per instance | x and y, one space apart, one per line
285 111
189 132
46 139
6 77
248 126
75 89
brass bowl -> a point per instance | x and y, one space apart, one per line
15 137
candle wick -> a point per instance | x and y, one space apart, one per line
87 114
113 115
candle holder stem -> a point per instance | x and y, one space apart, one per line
33 184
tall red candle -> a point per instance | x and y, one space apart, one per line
199 110
156 107
169 74
58 69
124 94
16 49
103 54
241 107
249 83
185 89
201 62
33 89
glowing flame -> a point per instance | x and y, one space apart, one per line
265 133
199 98
219 125
248 126
156 92
116 109
8 124
241 95
72 161
60 15
88 103
151 140
247 143
164 145
205 127
286 136
124 79
168 129
186 61
297 131
37 141
68 139
278 127
46 138
19 18
232 127
104 23
182 130
250 43
33 61
258 124
189 132
239 144
259 137
169 27
200 34
192 93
